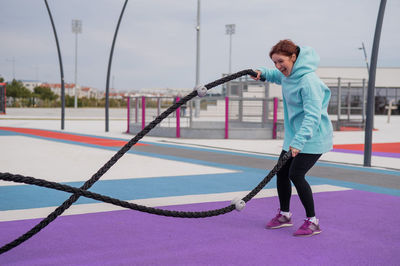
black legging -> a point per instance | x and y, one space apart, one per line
295 170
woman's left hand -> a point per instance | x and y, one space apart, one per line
258 77
294 151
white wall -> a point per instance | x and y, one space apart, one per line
385 76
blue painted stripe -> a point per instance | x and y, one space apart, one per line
6 133
26 196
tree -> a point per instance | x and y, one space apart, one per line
1 79
44 93
70 101
16 89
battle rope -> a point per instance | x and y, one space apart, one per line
82 191
178 214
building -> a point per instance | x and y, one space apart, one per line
56 88
115 95
386 77
387 80
164 91
88 92
349 86
69 88
31 84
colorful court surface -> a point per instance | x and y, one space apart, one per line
357 207
378 149
67 137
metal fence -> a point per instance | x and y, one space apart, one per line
247 112
348 101
219 117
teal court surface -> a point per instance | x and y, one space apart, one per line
358 207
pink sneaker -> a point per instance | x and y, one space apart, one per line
308 229
279 221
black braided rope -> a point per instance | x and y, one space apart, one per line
170 213
83 189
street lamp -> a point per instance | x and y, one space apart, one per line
197 101
13 65
365 55
76 28
369 123
230 30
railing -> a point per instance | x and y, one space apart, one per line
348 101
227 114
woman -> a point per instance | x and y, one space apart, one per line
308 130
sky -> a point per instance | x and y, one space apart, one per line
156 42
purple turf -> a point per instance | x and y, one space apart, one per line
358 228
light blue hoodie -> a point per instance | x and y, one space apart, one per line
305 104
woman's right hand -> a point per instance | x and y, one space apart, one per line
258 75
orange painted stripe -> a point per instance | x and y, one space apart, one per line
69 137
354 129
376 147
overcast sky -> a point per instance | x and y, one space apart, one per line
156 43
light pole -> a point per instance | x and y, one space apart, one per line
76 28
13 65
61 67
109 65
230 30
197 101
369 123
365 55
36 72
366 62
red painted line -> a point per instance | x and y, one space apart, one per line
354 129
70 137
376 147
